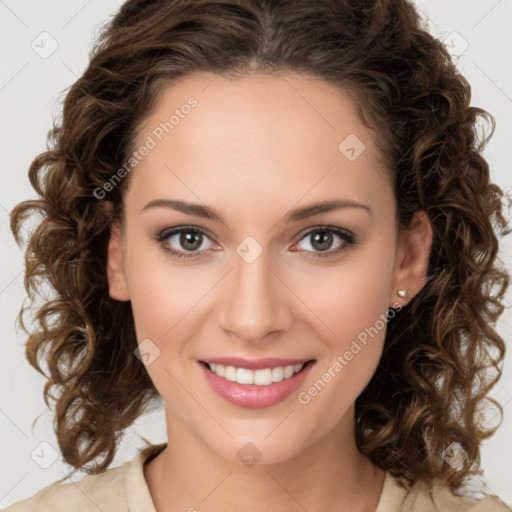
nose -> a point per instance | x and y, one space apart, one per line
257 303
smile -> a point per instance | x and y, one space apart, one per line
263 386
263 377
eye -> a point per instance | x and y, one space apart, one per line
189 241
186 239
320 241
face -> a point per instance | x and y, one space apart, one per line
253 277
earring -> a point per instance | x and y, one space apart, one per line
402 293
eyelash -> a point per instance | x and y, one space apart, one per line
346 236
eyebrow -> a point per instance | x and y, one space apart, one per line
206 212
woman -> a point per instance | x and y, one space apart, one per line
274 216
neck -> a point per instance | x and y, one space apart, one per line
331 474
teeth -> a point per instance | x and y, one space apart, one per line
263 377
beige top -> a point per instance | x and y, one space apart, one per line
124 489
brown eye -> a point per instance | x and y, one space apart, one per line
184 241
324 240
190 240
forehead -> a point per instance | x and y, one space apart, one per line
277 135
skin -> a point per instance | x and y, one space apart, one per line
253 149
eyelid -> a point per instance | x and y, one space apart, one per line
326 227
347 236
168 232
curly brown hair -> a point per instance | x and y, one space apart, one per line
441 354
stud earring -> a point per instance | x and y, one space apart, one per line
402 293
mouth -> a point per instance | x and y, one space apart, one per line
263 376
264 386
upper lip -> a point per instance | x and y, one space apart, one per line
254 364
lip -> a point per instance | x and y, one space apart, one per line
255 364
253 396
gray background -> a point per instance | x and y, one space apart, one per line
31 86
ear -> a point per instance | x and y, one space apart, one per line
411 264
118 287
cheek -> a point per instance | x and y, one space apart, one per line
351 303
163 295
351 296
165 300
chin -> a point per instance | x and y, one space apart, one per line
258 450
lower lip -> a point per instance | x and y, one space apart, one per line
254 396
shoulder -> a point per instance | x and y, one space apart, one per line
119 489
440 498
446 500
104 491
